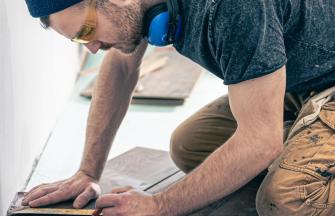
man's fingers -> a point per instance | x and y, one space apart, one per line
37 193
41 186
38 186
50 198
108 200
78 185
88 194
122 189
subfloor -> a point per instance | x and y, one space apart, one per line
145 125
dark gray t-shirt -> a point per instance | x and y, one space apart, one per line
238 40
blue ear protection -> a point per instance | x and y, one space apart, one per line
162 24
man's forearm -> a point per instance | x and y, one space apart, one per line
230 167
116 81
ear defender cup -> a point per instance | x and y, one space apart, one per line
156 25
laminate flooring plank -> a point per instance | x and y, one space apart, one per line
170 84
174 81
151 171
158 101
141 168
166 182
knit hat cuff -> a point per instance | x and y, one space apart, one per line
40 8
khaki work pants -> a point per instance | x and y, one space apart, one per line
299 182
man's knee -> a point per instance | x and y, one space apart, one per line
188 147
180 152
192 142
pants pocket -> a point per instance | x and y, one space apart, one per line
310 154
313 188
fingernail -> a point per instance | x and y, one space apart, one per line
33 205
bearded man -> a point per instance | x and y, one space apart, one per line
277 58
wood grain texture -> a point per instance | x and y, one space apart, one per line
140 168
151 171
175 81
161 186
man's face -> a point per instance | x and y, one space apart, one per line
119 25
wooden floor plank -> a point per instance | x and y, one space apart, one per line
151 171
141 168
170 84
167 182
175 81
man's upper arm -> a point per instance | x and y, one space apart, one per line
257 106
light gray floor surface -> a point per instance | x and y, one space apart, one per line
144 125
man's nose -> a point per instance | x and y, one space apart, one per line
93 47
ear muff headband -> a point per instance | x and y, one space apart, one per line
162 23
173 9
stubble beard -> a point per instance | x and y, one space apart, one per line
128 23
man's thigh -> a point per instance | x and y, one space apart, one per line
302 182
209 128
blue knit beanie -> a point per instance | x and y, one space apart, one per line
40 8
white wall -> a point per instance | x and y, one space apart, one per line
37 72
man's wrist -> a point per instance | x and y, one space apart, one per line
89 174
160 204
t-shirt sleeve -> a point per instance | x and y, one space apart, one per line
247 38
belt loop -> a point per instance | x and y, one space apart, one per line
310 95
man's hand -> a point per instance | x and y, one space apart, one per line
80 187
128 202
